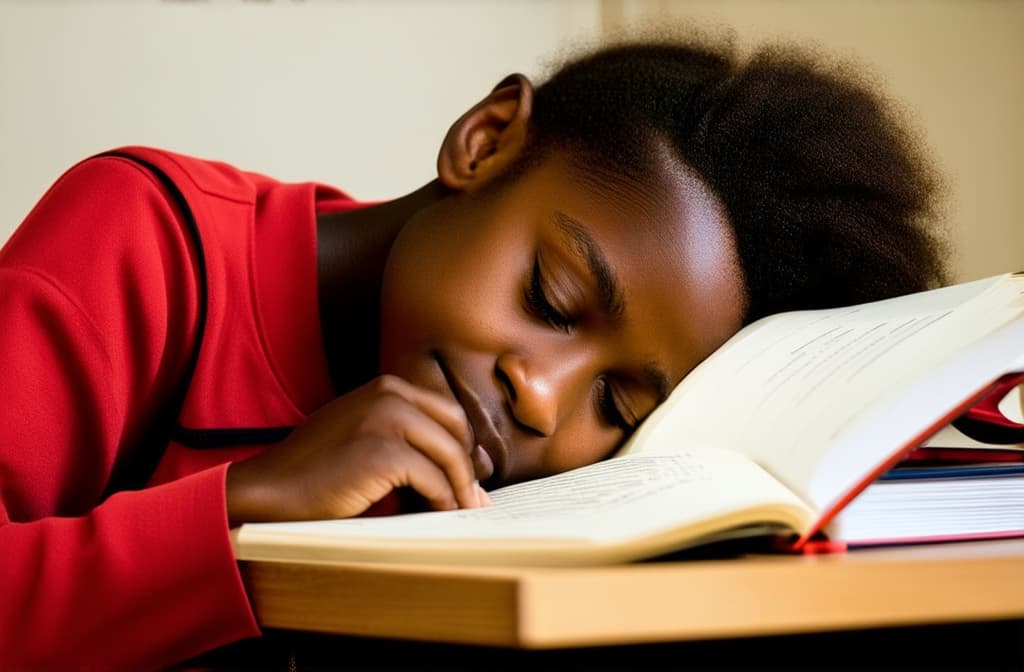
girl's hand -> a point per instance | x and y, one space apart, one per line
354 451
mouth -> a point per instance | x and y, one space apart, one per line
490 454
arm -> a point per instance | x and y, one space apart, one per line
350 457
98 301
89 289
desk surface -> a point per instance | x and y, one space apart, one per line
678 600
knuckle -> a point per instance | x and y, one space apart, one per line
385 415
386 384
391 404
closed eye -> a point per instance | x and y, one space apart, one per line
538 303
609 410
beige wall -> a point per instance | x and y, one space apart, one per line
359 93
957 65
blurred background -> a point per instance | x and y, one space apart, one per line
360 93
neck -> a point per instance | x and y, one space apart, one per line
352 251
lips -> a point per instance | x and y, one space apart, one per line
490 455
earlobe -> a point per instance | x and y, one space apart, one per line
488 137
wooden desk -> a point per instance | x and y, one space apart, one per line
939 607
754 595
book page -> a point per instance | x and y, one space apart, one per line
626 503
935 508
821 398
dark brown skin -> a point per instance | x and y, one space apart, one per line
471 339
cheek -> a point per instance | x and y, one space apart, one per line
463 296
579 444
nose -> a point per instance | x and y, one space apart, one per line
539 389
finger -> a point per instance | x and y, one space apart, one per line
420 473
400 423
435 443
445 411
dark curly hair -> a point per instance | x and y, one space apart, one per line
830 196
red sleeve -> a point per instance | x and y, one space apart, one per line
97 307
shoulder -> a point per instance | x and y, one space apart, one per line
211 177
108 220
96 200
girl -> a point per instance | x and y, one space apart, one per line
188 346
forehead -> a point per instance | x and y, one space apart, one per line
668 240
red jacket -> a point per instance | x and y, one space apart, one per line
99 305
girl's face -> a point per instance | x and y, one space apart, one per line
559 311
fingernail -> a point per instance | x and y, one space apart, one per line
482 496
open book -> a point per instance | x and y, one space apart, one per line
782 433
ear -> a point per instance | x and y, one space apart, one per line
488 137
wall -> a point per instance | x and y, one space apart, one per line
360 93
354 93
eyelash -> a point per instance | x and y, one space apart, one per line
539 304
608 409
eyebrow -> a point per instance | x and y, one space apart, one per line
609 289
